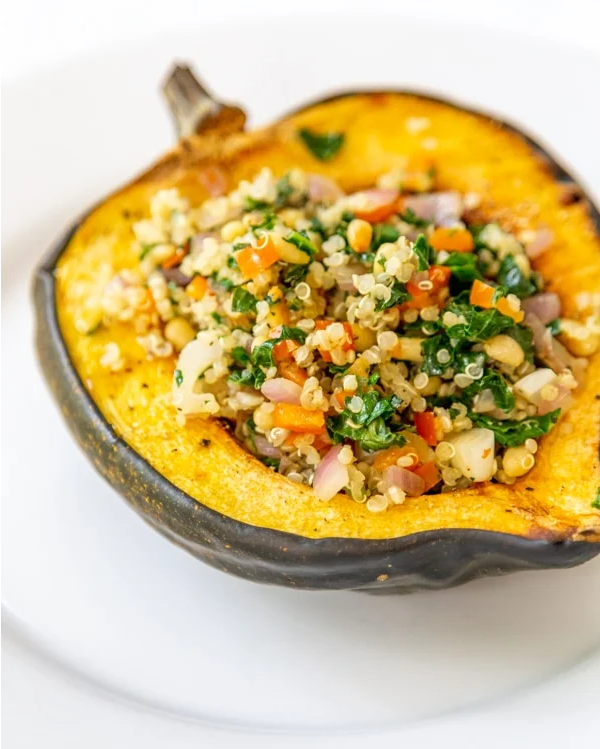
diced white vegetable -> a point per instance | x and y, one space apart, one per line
474 454
194 360
530 386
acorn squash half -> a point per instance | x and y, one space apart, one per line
198 487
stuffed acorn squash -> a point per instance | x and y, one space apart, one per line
355 349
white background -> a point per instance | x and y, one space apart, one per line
41 33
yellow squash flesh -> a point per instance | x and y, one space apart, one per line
472 154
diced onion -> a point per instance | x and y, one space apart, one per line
343 275
264 447
404 479
323 189
474 454
545 306
549 350
530 386
280 390
562 401
443 208
541 242
331 476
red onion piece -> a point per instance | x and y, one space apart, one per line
546 306
331 476
562 401
197 239
549 350
443 208
540 244
378 197
176 276
344 273
406 480
264 447
280 390
323 189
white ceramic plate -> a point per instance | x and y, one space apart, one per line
92 594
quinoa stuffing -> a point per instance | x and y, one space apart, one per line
374 343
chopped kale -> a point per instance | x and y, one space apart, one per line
338 368
368 427
342 228
317 227
294 274
554 326
178 377
499 292
374 406
430 348
424 252
399 296
217 317
383 233
225 283
476 230
300 240
284 191
251 204
511 276
240 246
464 266
231 262
262 355
376 436
479 324
514 433
410 217
323 146
242 300
240 355
271 462
146 248
464 358
251 428
268 222
524 337
503 397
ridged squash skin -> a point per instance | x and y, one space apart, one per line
198 487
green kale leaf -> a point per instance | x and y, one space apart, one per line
511 276
493 381
514 433
242 300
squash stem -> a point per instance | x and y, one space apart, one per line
193 108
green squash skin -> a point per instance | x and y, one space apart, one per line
428 560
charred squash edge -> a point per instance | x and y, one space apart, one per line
429 559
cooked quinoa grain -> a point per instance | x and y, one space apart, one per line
349 344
